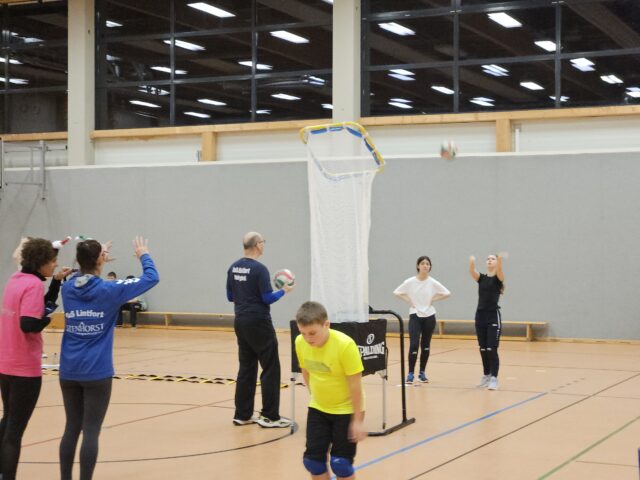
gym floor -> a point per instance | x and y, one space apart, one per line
563 411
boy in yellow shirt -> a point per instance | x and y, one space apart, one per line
332 370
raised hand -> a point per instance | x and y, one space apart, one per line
140 246
62 273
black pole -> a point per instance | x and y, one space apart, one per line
405 421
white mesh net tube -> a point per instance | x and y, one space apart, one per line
342 166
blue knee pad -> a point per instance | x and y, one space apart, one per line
314 467
341 466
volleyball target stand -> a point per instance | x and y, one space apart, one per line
370 337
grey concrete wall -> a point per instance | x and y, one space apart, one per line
570 224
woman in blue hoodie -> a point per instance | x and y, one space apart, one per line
91 308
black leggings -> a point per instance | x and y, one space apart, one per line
85 405
488 330
19 397
420 327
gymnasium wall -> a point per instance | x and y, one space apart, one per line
569 222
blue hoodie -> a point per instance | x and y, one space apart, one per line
91 307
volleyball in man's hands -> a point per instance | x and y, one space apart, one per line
448 150
284 277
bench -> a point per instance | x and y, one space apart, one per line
168 316
528 332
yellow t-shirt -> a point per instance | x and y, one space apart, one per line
328 368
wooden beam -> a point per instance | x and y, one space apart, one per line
549 114
209 151
32 137
198 129
503 135
295 125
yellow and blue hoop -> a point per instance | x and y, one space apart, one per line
354 129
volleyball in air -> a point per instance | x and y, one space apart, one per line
448 150
284 277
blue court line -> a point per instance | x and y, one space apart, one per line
447 432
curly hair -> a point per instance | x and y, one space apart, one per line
37 252
87 254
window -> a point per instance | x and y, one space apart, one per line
33 67
495 55
212 62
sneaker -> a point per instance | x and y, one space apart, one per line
44 355
423 378
493 383
268 423
409 378
484 381
239 422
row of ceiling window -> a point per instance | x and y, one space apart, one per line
509 59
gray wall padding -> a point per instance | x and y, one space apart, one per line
570 223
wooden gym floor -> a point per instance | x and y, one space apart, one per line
563 411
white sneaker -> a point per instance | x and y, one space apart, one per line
484 381
268 423
44 355
239 422
493 383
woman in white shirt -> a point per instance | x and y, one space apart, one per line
420 292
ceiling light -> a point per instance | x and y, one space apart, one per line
547 45
289 37
328 106
445 90
168 70
112 24
495 70
483 101
205 7
400 105
531 85
284 96
562 98
401 100
316 80
16 81
330 2
194 47
198 114
11 61
611 79
263 112
404 78
259 66
505 20
633 92
145 114
211 102
583 64
401 71
144 104
153 90
396 28
26 39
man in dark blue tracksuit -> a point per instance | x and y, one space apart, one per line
249 288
